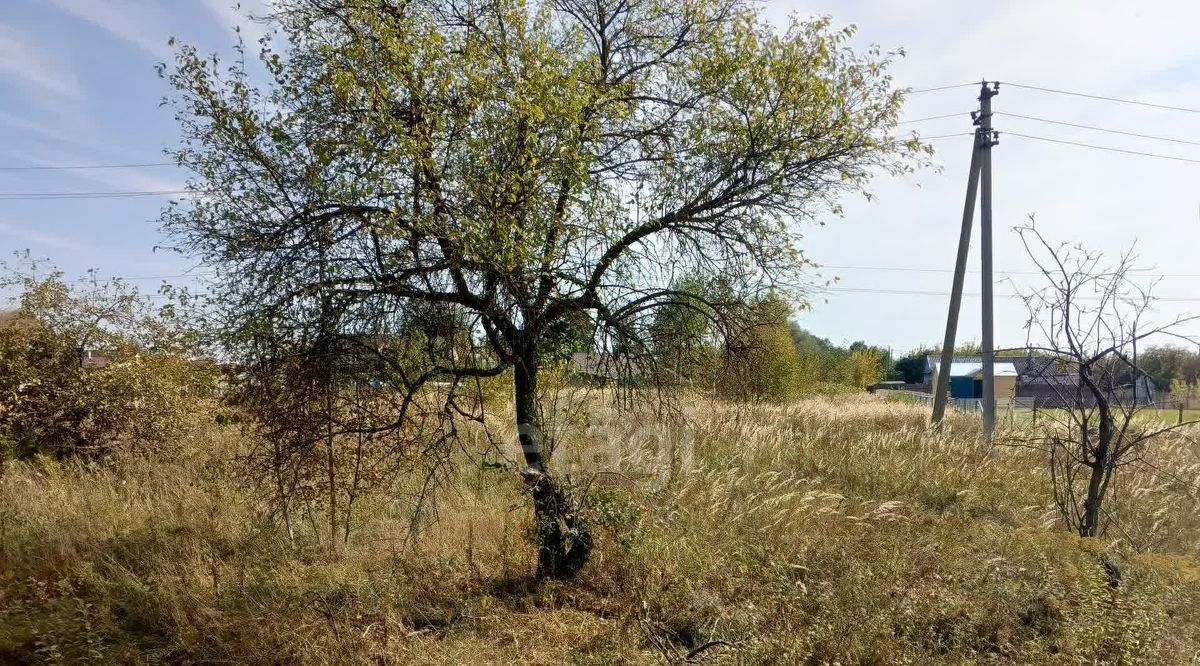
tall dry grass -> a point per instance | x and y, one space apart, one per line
827 531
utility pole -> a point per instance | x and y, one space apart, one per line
941 389
942 385
979 158
986 94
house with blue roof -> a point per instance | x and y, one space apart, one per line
966 376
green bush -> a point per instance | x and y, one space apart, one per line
762 362
81 373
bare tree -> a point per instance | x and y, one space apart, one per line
1086 324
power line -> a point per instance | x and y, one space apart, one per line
918 137
921 120
67 167
956 85
136 278
901 292
871 290
1098 129
41 196
944 136
1102 97
1148 272
160 296
920 292
1108 148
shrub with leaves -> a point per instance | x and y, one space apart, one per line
865 366
761 362
83 370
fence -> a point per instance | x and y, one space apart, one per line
1186 400
1178 406
975 405
961 404
972 405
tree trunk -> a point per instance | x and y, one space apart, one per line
1096 484
525 394
1090 526
564 539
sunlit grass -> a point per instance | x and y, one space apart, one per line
839 530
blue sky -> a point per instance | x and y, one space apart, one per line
78 86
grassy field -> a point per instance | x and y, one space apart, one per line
1170 417
1158 417
823 532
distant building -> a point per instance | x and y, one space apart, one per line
605 368
1038 378
966 377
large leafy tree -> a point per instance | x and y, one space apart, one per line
910 368
519 162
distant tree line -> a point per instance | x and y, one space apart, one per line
767 356
1172 368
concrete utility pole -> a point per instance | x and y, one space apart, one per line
986 94
980 170
941 389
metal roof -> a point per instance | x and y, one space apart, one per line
1002 368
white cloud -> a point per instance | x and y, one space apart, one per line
138 180
41 238
27 125
25 64
231 13
58 131
136 22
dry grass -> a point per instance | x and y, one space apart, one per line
820 532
